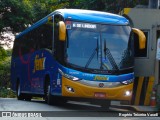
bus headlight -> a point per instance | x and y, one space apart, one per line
70 89
68 76
126 82
128 93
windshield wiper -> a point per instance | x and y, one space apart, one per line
93 54
109 56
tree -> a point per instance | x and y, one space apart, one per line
4 64
17 15
106 5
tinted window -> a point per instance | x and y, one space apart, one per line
37 39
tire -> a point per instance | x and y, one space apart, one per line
53 100
18 92
48 96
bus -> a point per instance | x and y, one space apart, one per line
76 54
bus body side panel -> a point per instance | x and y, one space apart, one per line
15 74
42 65
18 73
31 71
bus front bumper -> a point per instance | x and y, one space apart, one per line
75 89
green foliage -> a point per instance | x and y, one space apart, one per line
15 13
3 54
6 93
89 4
41 8
19 14
5 63
113 6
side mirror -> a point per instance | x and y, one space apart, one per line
62 31
141 36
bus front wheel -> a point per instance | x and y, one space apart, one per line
48 96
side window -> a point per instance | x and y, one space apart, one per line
39 38
44 36
141 52
46 33
25 44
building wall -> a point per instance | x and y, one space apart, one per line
147 20
146 68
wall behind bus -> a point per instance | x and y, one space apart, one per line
146 68
146 20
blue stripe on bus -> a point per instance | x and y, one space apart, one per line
83 16
91 77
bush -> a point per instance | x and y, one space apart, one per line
7 93
5 63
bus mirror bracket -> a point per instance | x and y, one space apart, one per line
141 36
62 31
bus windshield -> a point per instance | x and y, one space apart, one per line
99 47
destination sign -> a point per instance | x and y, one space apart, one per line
84 25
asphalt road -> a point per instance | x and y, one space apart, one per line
71 110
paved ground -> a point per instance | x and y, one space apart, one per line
71 110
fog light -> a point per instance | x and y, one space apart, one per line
70 89
127 93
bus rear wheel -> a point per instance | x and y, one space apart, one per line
18 92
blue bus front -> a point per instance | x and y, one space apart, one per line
98 61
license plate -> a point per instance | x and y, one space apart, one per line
99 95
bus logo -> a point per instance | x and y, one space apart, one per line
100 78
101 85
39 63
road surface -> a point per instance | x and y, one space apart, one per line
71 110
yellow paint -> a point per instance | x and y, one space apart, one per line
100 78
138 91
80 90
39 63
149 90
126 11
62 31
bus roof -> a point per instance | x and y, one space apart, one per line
83 16
93 16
